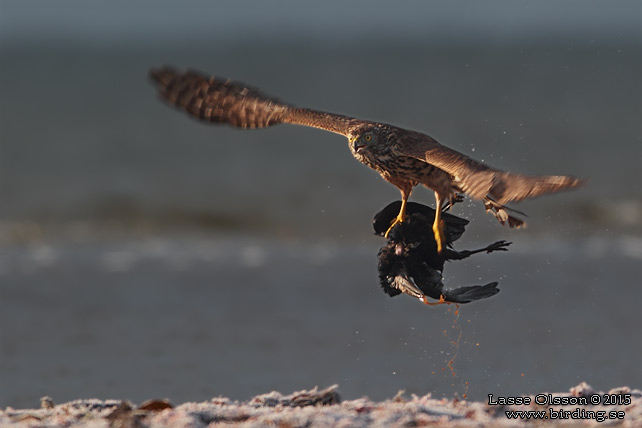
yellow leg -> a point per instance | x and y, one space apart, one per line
401 217
437 226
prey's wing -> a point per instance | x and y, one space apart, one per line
475 178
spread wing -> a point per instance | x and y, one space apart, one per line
219 100
478 179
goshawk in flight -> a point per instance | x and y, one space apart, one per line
402 157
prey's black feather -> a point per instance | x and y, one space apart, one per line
410 263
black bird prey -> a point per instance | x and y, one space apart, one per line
410 262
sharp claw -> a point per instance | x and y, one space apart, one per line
396 221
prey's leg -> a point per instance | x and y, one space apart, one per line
441 301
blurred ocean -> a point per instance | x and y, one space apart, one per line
145 254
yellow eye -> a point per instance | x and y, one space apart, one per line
368 138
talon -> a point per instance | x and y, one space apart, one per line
401 217
396 221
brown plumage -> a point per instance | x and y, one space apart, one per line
402 157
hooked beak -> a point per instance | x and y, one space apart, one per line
356 146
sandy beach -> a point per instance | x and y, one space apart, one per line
321 408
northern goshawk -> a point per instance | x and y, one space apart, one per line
402 157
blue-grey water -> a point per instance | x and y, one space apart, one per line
144 254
